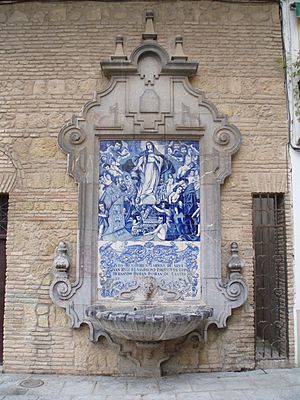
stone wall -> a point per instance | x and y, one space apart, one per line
49 67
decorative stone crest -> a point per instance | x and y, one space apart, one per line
148 289
234 289
149 154
61 263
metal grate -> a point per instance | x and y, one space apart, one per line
3 231
271 307
3 214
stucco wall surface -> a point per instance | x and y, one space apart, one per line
49 67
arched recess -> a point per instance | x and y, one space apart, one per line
8 178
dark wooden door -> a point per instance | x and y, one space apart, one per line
3 230
270 290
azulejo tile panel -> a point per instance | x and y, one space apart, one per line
149 215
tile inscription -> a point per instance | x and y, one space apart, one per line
149 215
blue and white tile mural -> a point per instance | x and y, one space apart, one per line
149 215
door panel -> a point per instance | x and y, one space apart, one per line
2 290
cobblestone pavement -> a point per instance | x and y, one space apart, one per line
272 384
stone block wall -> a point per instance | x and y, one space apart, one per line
49 68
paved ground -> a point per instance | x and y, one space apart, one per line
279 384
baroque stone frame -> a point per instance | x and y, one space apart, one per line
181 112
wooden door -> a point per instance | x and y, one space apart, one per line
3 230
270 274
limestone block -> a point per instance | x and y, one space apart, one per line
118 13
38 180
70 184
275 14
261 16
7 121
227 109
270 86
82 349
42 309
236 15
19 243
28 87
112 360
58 180
43 148
74 12
17 87
3 15
249 112
268 182
40 86
17 17
21 121
224 85
57 14
234 85
37 120
188 356
69 207
71 85
56 120
58 318
93 14
43 321
69 225
46 282
56 86
29 316
39 270
38 17
3 86
46 247
181 14
230 211
87 85
215 13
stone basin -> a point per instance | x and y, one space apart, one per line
152 324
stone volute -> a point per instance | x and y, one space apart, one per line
147 294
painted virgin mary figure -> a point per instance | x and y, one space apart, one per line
149 165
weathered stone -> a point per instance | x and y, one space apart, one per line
56 86
35 120
56 119
3 16
57 14
18 16
74 12
21 121
42 309
241 72
42 148
30 318
43 321
38 17
58 180
40 86
93 14
38 180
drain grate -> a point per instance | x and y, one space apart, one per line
31 383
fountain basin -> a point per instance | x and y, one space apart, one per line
152 324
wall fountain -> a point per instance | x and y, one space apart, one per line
149 154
